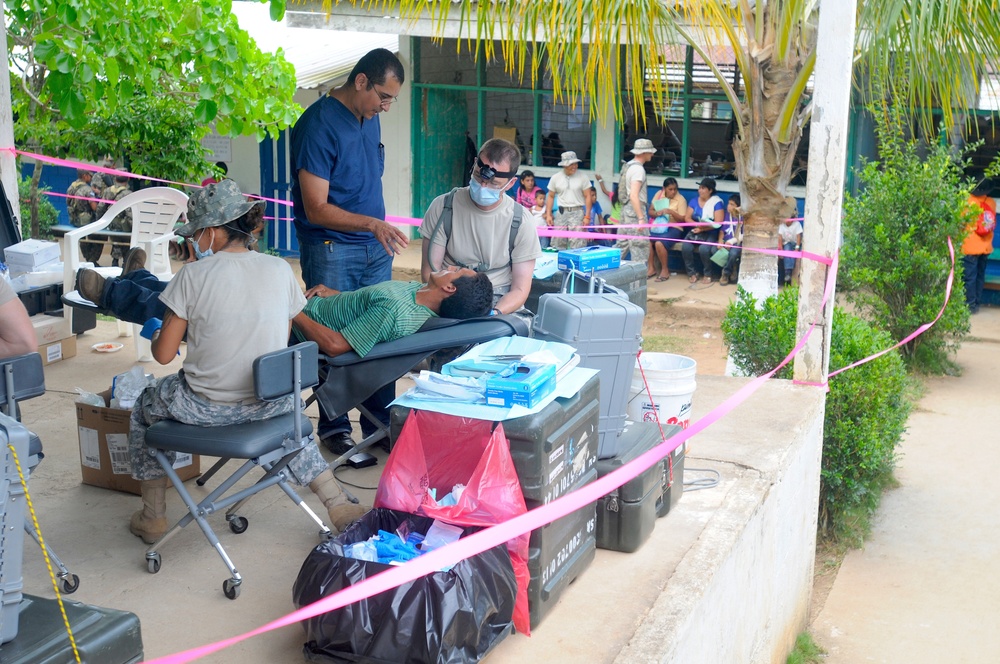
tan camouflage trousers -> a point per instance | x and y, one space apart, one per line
571 220
171 399
637 248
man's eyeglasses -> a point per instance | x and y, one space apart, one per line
385 99
486 175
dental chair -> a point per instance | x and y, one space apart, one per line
268 444
22 378
348 379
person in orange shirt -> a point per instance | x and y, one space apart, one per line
978 245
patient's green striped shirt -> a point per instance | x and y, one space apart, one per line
371 315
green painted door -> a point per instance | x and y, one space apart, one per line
440 155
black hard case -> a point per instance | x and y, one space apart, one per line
103 636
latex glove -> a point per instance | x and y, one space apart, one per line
150 328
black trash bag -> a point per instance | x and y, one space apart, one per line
447 617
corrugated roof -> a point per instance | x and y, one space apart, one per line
319 56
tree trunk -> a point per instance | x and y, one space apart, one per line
36 175
764 166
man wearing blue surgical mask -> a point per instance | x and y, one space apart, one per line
480 228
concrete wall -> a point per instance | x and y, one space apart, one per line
741 593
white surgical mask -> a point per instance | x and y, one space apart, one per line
198 253
481 195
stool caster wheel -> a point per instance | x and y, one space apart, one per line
238 524
231 588
153 562
69 585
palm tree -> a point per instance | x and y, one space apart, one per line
924 56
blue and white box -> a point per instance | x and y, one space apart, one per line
522 384
586 259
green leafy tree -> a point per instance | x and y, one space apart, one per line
47 213
942 46
895 260
866 407
76 63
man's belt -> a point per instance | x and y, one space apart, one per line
563 210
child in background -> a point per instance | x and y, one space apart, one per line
789 239
528 191
732 237
538 208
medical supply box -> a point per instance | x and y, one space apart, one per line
629 279
590 258
104 458
522 384
558 553
606 331
30 255
105 636
626 516
14 441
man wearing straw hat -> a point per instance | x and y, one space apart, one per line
574 191
632 195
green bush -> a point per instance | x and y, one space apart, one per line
866 407
47 213
895 259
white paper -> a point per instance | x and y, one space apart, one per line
90 450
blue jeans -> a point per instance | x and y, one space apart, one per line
733 263
974 275
134 297
788 261
705 252
348 267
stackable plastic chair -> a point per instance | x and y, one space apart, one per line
155 211
22 378
267 444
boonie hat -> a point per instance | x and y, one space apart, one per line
569 158
215 205
643 146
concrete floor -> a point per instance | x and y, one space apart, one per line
924 587
183 606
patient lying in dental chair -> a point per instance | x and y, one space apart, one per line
337 322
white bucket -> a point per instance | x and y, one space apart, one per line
671 386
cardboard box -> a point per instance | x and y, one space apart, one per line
104 460
57 350
30 255
49 329
586 259
522 383
506 133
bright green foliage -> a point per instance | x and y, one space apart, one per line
806 651
140 130
81 58
87 66
47 213
895 257
866 407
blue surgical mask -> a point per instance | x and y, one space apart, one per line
198 253
481 195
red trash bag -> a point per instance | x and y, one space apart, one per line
439 451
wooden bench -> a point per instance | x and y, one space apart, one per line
120 237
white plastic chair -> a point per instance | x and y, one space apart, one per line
154 213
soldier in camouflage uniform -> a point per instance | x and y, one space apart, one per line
82 210
221 220
122 222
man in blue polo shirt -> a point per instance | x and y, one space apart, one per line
337 161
